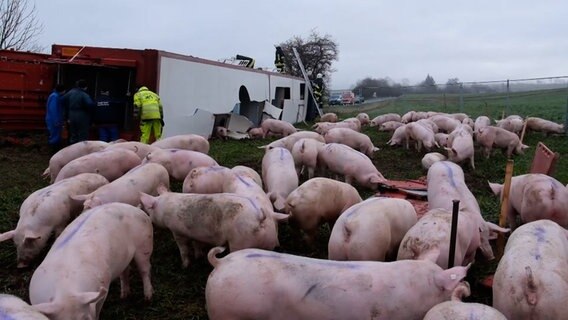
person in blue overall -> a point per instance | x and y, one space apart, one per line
79 108
54 118
107 116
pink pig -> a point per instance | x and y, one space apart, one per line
377 121
371 230
215 219
509 142
111 164
305 154
481 122
278 127
530 280
356 140
141 149
329 117
179 162
279 175
546 126
249 172
289 141
206 179
49 210
430 239
422 135
398 137
317 201
363 118
445 123
270 285
446 182
14 308
70 153
191 142
458 310
460 146
145 178
73 280
256 133
533 197
512 123
390 126
431 157
354 165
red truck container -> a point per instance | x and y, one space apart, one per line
27 79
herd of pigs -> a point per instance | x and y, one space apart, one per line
105 198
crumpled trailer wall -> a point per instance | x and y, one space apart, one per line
186 84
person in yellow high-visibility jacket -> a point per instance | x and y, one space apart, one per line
149 107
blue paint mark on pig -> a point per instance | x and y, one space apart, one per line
72 233
5 316
540 233
243 181
450 174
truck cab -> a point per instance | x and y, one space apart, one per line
348 97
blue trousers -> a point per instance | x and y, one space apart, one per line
108 133
54 134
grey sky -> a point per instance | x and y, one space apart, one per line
470 40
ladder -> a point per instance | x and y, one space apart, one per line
308 82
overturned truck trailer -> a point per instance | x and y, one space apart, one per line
197 94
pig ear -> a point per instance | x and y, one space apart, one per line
450 278
48 308
79 199
431 255
280 217
162 189
493 227
92 202
147 200
375 149
29 237
524 146
7 235
496 188
91 297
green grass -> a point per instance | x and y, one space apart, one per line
179 293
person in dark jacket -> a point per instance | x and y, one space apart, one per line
79 108
279 60
107 116
54 118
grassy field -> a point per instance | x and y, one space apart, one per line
179 293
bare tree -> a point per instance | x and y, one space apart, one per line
317 53
19 27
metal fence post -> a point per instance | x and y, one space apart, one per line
453 233
566 118
461 97
508 99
